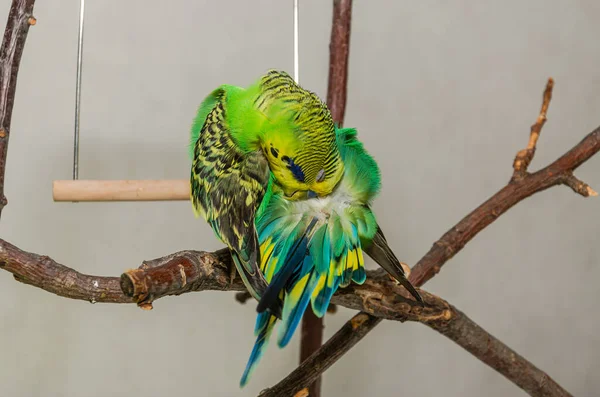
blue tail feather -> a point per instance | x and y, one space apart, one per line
360 275
264 326
293 257
268 228
320 303
293 310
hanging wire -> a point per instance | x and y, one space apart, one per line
79 67
296 77
78 92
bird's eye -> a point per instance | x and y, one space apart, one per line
321 176
274 152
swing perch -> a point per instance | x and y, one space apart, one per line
77 190
121 190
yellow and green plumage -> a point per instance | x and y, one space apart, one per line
290 195
311 247
242 140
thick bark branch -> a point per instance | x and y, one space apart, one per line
478 342
378 298
19 19
188 271
43 272
311 339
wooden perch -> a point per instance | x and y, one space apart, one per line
121 190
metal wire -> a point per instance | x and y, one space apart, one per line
296 77
78 91
79 71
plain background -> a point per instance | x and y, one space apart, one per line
443 95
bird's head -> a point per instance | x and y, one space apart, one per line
298 137
305 170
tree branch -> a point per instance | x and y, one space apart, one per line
19 19
496 354
477 341
311 339
521 186
339 50
524 157
188 271
43 272
455 325
311 331
349 335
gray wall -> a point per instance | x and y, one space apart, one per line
443 94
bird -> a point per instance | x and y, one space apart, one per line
242 141
290 193
310 247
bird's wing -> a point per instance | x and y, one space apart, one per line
227 188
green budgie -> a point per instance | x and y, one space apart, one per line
244 140
311 247
289 193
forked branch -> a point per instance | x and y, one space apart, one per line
524 157
560 172
496 355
